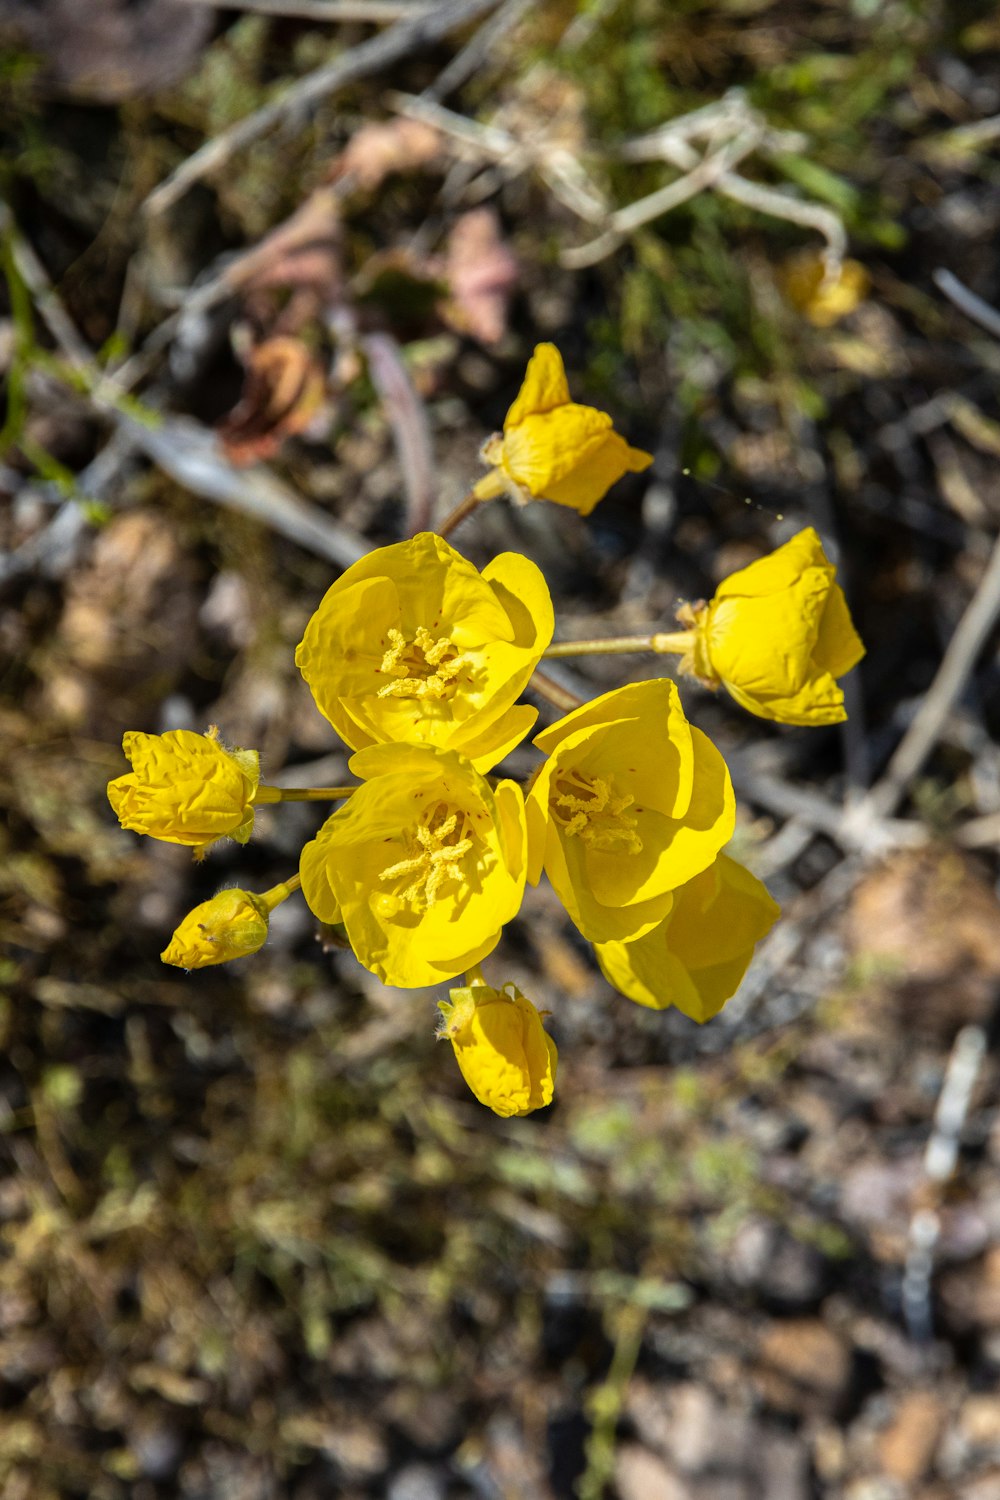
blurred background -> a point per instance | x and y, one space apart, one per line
271 275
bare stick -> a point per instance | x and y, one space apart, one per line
974 307
710 170
940 699
399 41
476 52
182 448
408 420
375 11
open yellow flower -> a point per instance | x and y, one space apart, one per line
777 635
186 788
423 865
413 643
230 925
504 1052
632 802
554 449
696 957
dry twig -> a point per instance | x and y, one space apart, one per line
359 62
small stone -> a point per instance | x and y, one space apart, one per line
983 1487
649 1408
783 1468
907 1445
640 1475
694 1416
416 1482
979 1421
805 1365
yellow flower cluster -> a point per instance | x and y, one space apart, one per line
417 659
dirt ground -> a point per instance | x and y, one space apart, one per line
272 273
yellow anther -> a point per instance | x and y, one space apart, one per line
431 860
588 807
422 668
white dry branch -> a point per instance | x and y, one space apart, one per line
300 98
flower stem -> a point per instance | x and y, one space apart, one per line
677 642
489 487
279 893
559 697
474 976
464 508
301 794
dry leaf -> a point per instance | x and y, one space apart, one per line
482 273
375 151
283 390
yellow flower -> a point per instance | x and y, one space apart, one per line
413 643
185 788
698 954
230 925
554 449
824 299
506 1056
423 865
777 634
632 802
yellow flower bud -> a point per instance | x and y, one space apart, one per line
824 299
777 635
185 788
697 956
230 925
554 449
504 1052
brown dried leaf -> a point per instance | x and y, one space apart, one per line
284 388
375 151
482 272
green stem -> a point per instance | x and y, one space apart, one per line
677 642
608 1400
279 893
267 794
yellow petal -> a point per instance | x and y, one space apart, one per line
544 386
696 958
780 569
838 646
546 448
604 466
766 643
